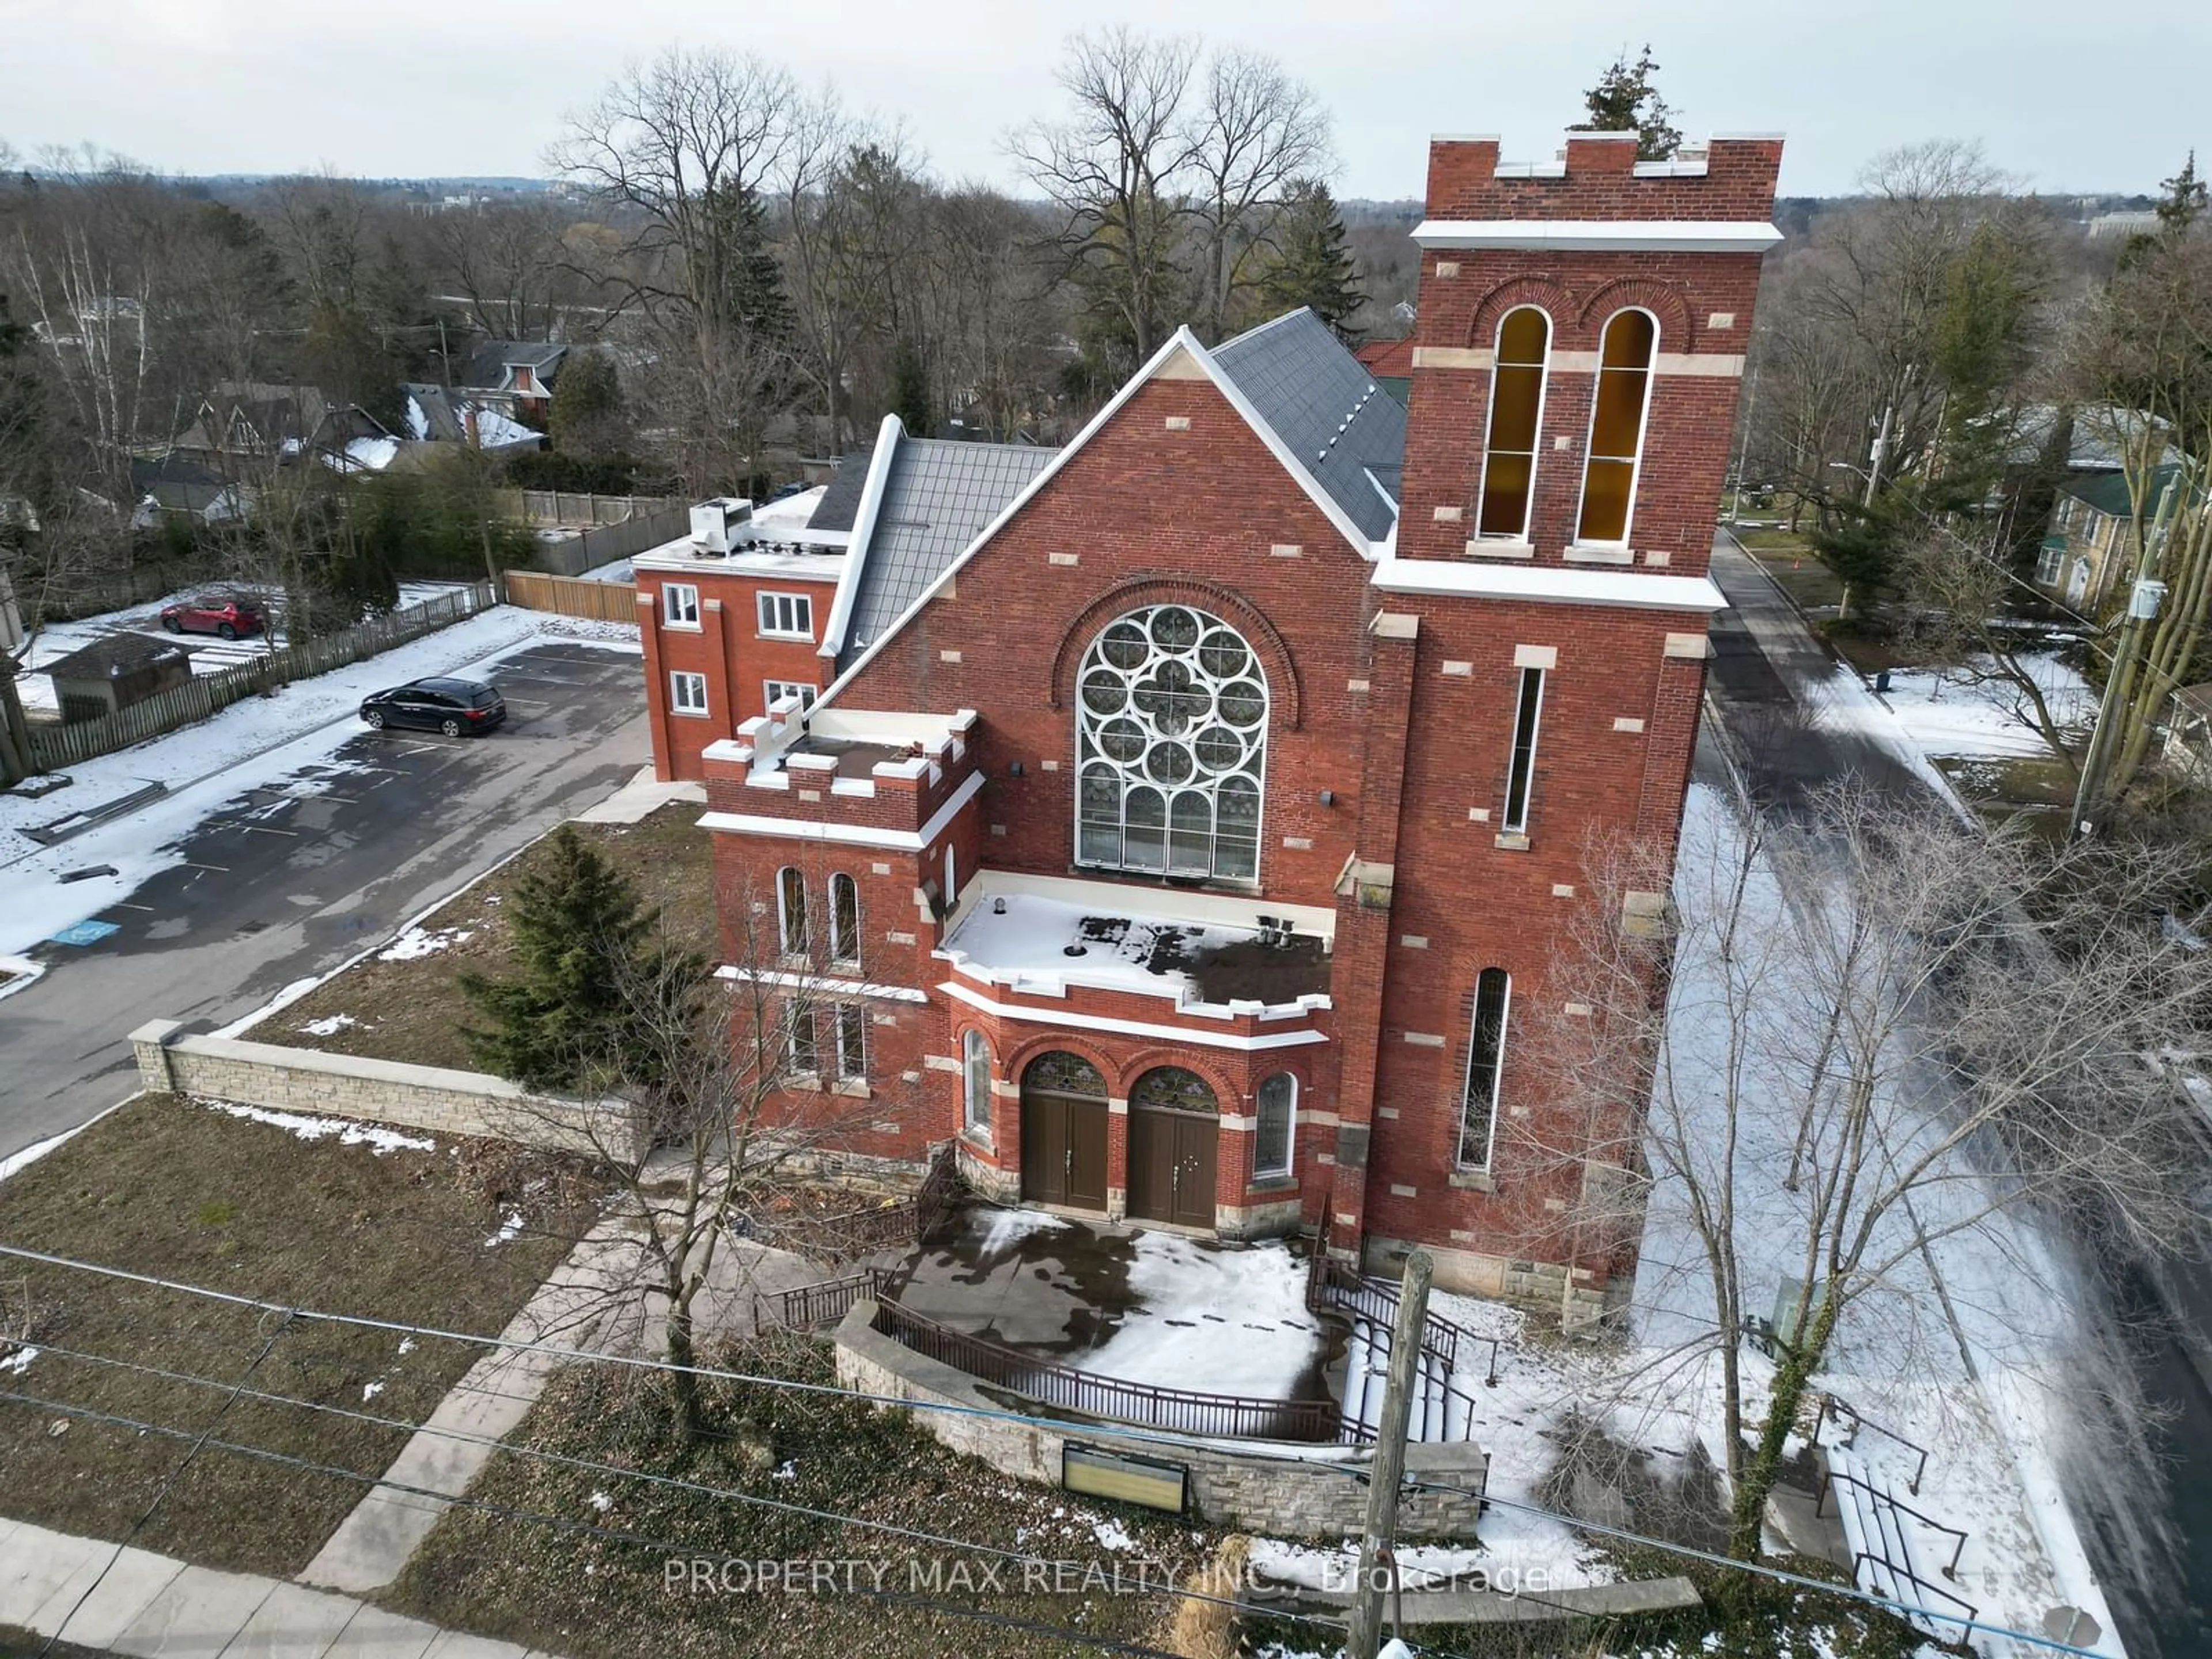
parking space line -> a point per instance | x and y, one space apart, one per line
120 905
219 869
259 828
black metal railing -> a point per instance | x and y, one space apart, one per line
810 1307
1184 1411
1837 1411
1331 1285
1883 1548
1434 1403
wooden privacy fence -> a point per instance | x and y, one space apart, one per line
56 747
573 596
576 506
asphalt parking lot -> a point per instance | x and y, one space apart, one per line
285 882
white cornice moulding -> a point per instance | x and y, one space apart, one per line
1549 584
1029 1016
853 834
1602 236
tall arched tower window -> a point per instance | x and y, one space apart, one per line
1617 421
1171 742
1517 414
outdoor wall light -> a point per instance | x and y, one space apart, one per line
1328 798
1014 768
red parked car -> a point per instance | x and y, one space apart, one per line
232 618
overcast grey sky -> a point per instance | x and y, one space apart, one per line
2071 97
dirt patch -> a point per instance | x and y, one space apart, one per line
534 1572
404 1002
183 1191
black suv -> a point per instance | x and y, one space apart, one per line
452 706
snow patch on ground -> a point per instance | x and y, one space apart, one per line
417 942
331 1026
376 1137
1260 1344
509 1229
32 1153
15 1364
1009 1227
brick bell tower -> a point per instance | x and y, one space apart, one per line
1581 341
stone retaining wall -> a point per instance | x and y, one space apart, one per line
1283 1491
378 1091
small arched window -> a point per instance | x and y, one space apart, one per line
1517 414
1276 1117
976 1081
1486 1060
790 910
1617 421
844 918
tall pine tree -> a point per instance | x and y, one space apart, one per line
587 967
1313 267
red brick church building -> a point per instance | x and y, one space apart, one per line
1181 822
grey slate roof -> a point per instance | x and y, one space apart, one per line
842 499
1320 400
940 495
487 364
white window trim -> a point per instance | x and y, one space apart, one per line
970 1124
1290 1135
678 676
841 957
792 1012
802 603
773 690
668 616
1509 825
1536 439
1642 431
783 915
1497 1078
2051 566
839 1013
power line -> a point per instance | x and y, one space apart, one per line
667 1545
595 1466
167 1484
1164 1438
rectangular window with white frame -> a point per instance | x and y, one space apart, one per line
852 1043
1521 770
1486 1063
687 693
2050 564
679 605
787 615
800 1048
774 691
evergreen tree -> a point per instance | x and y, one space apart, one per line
2181 198
1626 101
585 948
587 418
1313 267
910 399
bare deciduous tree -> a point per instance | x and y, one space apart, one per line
1255 131
1884 1032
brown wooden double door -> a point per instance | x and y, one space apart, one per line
1171 1167
1175 1132
1064 1133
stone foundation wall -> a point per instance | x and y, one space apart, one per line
378 1091
1285 1491
1578 1301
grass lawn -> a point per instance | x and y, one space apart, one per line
411 1008
593 1597
1790 560
171 1188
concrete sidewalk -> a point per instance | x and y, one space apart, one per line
151 1605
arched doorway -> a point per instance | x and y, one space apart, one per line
1064 1132
1175 1127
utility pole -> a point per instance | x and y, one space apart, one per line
1364 1633
1873 484
1743 449
2143 598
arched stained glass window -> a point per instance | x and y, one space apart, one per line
1171 746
